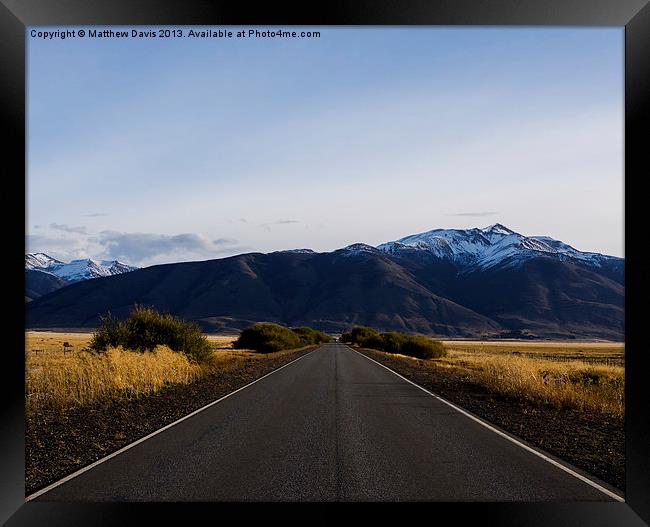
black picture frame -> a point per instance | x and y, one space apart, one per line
15 15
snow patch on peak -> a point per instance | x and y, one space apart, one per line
117 267
76 270
298 251
39 261
498 228
452 244
494 233
486 247
358 248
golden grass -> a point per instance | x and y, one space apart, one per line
56 377
582 376
593 352
221 342
562 384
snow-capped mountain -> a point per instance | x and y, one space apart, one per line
76 270
488 247
39 261
117 267
473 283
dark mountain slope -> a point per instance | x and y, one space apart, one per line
330 291
39 283
549 297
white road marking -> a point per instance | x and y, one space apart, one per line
506 436
156 432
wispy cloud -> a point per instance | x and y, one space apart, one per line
96 214
475 214
66 228
147 248
225 241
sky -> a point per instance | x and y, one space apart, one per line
159 150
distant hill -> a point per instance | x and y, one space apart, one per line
451 283
44 274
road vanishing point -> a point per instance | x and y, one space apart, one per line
332 425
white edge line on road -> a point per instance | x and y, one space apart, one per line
156 432
506 436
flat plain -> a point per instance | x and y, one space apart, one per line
544 392
601 352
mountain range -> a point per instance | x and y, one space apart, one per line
44 274
477 283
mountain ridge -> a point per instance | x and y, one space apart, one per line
549 290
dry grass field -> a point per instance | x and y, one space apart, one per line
612 353
58 376
581 376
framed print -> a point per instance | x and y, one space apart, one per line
360 253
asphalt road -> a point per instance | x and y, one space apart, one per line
331 426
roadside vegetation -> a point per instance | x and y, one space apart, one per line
56 379
267 337
588 377
146 329
417 346
139 356
577 384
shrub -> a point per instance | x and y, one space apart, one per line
395 342
373 341
359 335
392 341
266 337
423 347
110 334
146 328
309 336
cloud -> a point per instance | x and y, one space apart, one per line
474 214
65 228
149 248
62 247
68 243
225 241
96 214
